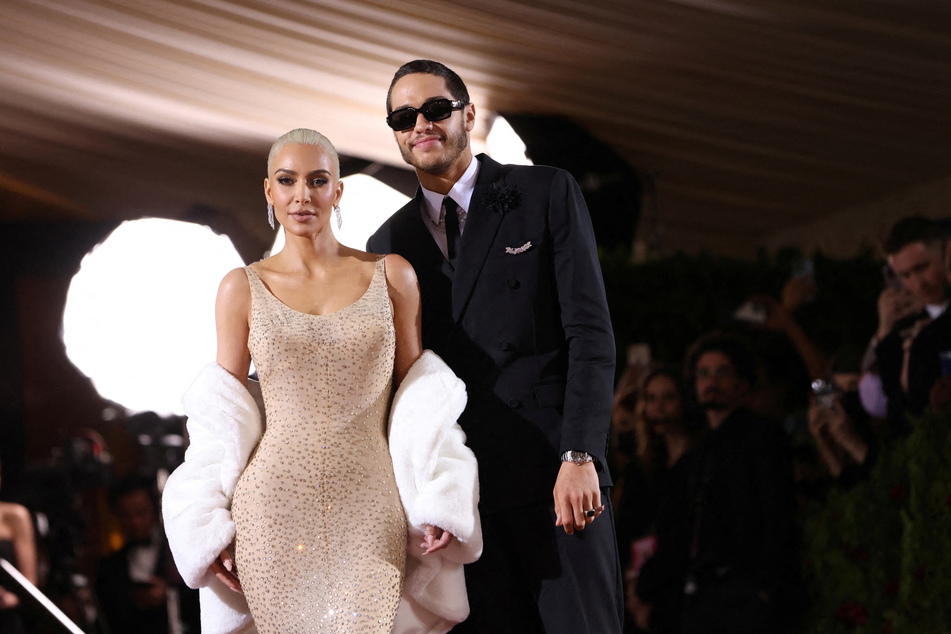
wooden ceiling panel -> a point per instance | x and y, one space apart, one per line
751 116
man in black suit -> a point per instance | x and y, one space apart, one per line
914 323
727 531
138 586
513 300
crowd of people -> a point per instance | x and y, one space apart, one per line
713 454
436 413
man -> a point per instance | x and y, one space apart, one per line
728 534
138 586
914 325
513 300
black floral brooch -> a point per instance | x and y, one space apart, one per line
502 199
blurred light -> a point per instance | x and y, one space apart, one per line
365 205
504 145
139 318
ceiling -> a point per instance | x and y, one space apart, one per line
743 117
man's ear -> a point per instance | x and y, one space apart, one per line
469 113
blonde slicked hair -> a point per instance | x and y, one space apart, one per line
304 136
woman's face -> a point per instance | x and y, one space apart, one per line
302 188
662 403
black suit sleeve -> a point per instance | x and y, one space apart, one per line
585 320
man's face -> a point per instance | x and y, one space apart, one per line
921 271
719 387
431 147
136 515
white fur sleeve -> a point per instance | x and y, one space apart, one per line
224 426
436 473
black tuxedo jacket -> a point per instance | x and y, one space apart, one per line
523 320
924 361
924 366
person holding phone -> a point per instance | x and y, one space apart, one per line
840 426
914 324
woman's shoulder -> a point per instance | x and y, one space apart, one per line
14 514
236 279
399 272
235 287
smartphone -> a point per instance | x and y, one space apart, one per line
891 278
824 392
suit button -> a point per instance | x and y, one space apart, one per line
513 284
515 403
506 346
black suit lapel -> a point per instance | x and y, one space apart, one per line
482 225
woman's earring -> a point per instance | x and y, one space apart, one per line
339 217
270 215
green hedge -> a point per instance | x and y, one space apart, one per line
669 302
877 558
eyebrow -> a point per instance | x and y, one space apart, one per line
425 101
290 171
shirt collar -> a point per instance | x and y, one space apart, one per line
461 192
934 310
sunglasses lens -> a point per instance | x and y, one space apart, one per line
405 118
402 119
437 110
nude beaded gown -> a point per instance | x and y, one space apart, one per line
321 533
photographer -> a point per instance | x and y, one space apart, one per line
138 586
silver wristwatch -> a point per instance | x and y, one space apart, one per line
577 457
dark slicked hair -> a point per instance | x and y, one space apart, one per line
130 483
911 230
454 84
733 348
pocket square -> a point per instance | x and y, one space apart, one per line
516 250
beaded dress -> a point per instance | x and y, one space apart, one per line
320 531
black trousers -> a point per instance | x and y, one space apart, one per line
533 578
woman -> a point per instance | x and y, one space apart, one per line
664 440
17 545
320 532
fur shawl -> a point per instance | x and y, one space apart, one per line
436 475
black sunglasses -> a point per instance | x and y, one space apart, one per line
436 110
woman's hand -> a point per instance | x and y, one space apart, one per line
435 539
226 571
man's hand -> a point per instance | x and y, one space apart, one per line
577 491
151 595
893 305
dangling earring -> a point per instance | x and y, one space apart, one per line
270 215
339 217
